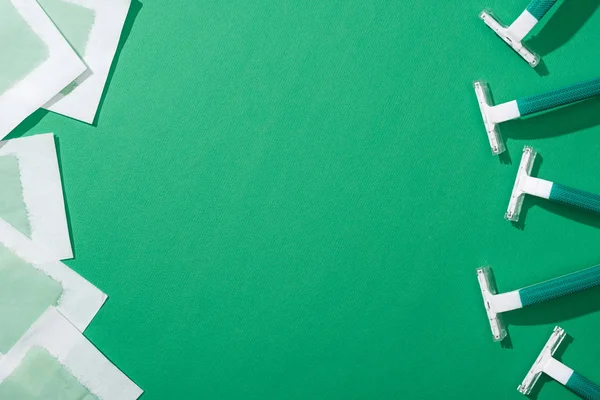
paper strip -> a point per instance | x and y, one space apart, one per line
53 333
42 191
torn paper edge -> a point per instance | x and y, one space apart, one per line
86 363
83 102
61 68
80 300
42 191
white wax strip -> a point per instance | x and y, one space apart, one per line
31 41
58 339
95 36
42 191
76 298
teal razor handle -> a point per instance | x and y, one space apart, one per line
539 8
583 387
575 197
558 287
559 97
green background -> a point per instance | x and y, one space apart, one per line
288 199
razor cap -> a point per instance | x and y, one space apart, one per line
518 196
491 127
487 283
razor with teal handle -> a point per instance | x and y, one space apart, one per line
526 184
496 114
497 304
547 364
514 34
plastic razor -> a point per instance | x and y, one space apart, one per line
498 303
493 115
547 364
514 34
526 184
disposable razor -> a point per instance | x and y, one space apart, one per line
514 34
496 114
498 303
526 184
546 364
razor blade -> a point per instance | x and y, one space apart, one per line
543 359
519 190
487 283
491 126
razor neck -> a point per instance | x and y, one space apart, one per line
522 26
504 302
557 370
535 186
503 112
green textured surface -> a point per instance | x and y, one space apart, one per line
563 286
25 293
575 197
40 376
288 200
559 97
12 204
585 388
25 49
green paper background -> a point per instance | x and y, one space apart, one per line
288 199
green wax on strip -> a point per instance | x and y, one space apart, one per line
12 205
40 376
21 50
25 294
74 21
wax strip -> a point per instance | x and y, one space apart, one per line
93 28
54 361
31 198
31 280
36 61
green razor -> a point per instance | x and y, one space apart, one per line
495 114
547 364
514 34
526 184
498 303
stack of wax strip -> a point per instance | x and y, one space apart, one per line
498 303
56 54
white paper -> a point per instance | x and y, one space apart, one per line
109 17
80 300
61 68
62 340
42 191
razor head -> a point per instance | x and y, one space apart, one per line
537 369
485 99
487 283
504 33
518 196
